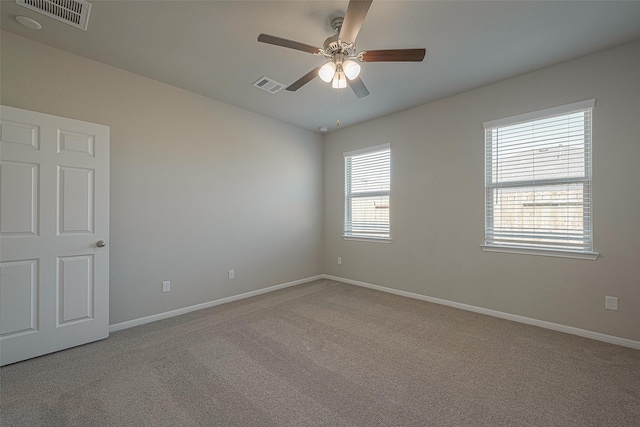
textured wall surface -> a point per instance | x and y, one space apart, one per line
198 187
437 201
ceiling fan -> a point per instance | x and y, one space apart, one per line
343 67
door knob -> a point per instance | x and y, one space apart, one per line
101 243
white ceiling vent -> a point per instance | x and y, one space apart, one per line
72 12
267 84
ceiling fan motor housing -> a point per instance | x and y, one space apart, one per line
336 23
332 45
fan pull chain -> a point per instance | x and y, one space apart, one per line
338 121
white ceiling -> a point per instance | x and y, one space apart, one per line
211 47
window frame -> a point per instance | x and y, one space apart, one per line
533 249
347 232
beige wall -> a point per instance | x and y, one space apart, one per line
198 187
437 204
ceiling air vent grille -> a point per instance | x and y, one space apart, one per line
268 85
72 12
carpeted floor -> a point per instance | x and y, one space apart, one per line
328 354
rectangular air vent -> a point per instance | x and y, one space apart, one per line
72 12
268 85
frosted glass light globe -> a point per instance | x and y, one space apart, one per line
339 81
327 71
351 69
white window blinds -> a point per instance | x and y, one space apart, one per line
538 180
367 187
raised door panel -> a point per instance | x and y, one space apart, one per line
76 143
75 200
22 135
18 199
18 297
75 289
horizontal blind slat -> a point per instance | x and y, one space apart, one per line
537 182
367 187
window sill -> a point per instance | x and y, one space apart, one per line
368 239
541 252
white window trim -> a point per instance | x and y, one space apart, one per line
526 117
367 150
368 239
558 253
541 114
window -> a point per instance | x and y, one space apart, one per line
366 197
538 182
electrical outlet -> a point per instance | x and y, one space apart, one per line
232 274
166 286
339 260
611 303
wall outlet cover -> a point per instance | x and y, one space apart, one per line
611 303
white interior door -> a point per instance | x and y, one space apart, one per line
54 218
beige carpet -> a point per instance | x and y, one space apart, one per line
328 354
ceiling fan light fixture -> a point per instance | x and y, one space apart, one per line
339 80
327 71
351 69
342 68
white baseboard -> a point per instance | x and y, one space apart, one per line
521 319
178 312
513 317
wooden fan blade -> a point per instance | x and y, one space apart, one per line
392 55
358 87
278 41
304 80
353 19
